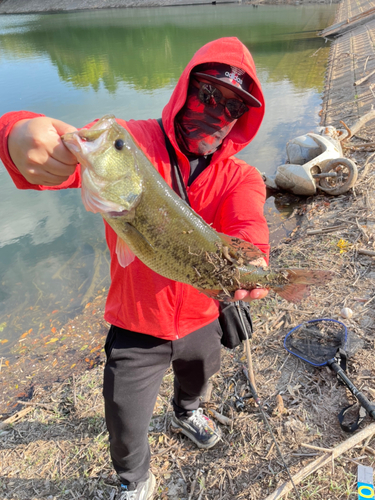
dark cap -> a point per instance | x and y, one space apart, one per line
230 77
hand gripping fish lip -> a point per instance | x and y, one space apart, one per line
78 144
92 184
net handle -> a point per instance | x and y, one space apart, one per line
367 405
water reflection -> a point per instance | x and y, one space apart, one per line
77 67
150 50
42 226
53 260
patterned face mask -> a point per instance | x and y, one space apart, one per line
201 127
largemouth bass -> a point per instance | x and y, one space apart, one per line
154 224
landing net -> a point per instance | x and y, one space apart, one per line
317 341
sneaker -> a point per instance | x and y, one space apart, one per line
199 428
139 491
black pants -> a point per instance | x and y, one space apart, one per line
135 367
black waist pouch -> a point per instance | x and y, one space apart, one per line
235 322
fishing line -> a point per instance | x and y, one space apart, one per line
263 413
259 404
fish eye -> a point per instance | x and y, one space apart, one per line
119 144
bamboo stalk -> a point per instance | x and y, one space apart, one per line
357 125
221 418
359 146
364 119
327 450
17 416
320 462
361 80
324 230
363 251
250 363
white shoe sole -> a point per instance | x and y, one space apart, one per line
152 486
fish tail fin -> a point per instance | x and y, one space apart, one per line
292 292
298 287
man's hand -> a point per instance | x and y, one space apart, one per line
256 293
38 152
249 296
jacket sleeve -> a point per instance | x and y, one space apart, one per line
242 209
7 121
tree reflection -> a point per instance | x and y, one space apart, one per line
148 48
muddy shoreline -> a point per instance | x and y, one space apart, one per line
56 6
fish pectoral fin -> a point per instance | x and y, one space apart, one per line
135 239
241 249
124 255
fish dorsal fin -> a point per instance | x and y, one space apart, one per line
124 255
241 248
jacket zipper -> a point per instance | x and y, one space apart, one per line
178 308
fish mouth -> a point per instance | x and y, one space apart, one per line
88 145
117 214
80 144
85 141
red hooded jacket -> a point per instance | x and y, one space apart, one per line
228 194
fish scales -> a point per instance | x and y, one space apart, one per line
171 229
153 223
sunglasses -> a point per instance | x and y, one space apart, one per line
210 95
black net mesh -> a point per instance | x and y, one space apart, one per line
317 341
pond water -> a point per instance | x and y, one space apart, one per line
80 66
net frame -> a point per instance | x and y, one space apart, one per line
342 345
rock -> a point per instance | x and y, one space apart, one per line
346 313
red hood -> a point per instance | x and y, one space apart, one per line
228 51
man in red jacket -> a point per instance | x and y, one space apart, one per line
214 112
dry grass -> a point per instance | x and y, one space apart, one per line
59 450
